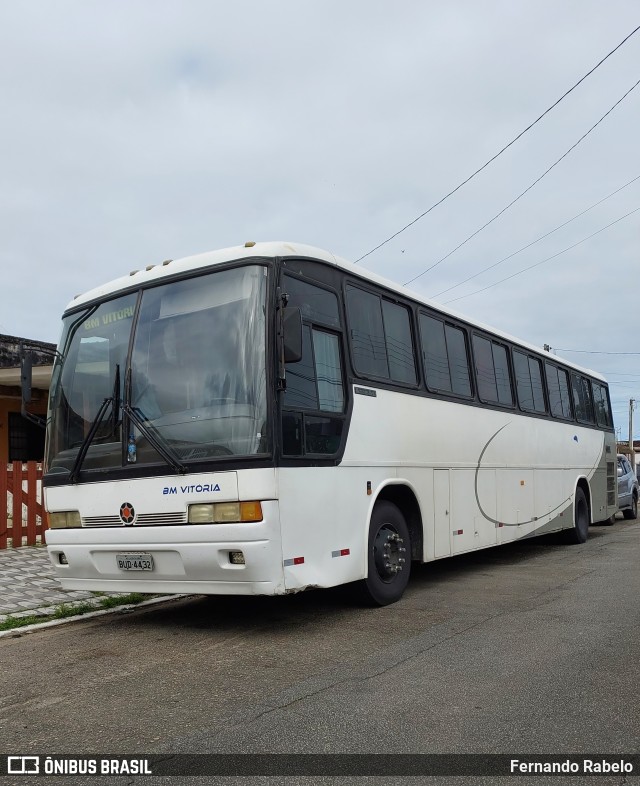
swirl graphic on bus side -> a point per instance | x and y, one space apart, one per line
562 505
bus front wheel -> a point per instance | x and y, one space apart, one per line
580 530
388 556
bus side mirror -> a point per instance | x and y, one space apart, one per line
26 376
292 334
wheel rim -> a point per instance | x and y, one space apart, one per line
388 553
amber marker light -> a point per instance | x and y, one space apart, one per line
250 511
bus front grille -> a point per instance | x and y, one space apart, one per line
143 520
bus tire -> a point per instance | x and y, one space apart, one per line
580 530
388 556
632 512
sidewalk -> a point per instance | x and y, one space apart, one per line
28 586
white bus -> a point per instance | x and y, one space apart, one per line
270 418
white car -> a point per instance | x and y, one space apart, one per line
628 489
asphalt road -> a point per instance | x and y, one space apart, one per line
527 648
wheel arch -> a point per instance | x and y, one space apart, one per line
403 496
583 483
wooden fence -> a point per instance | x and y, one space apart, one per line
23 519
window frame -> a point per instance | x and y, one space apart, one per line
421 312
604 390
571 417
529 357
507 348
339 332
576 376
409 312
381 295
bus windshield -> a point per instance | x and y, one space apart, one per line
197 370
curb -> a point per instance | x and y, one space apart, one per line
17 632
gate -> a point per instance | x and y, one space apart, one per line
23 519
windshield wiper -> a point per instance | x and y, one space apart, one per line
114 400
138 418
84 447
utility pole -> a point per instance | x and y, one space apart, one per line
632 406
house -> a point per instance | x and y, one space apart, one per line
20 438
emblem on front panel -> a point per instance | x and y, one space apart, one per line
127 513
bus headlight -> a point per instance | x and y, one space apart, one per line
68 519
225 512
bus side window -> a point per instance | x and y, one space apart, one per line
381 340
565 398
316 304
292 430
492 370
603 410
458 360
582 400
315 381
326 352
301 391
314 384
529 382
397 332
367 333
558 391
444 348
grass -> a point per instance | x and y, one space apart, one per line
65 610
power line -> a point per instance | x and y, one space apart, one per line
535 182
537 240
596 352
506 147
542 261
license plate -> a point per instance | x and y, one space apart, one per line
134 561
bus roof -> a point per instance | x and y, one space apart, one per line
273 249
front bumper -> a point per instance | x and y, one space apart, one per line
186 558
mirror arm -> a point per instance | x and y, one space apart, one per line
26 378
39 421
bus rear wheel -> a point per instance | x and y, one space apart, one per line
388 556
580 530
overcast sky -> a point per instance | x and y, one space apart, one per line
133 132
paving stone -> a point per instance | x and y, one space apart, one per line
28 585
